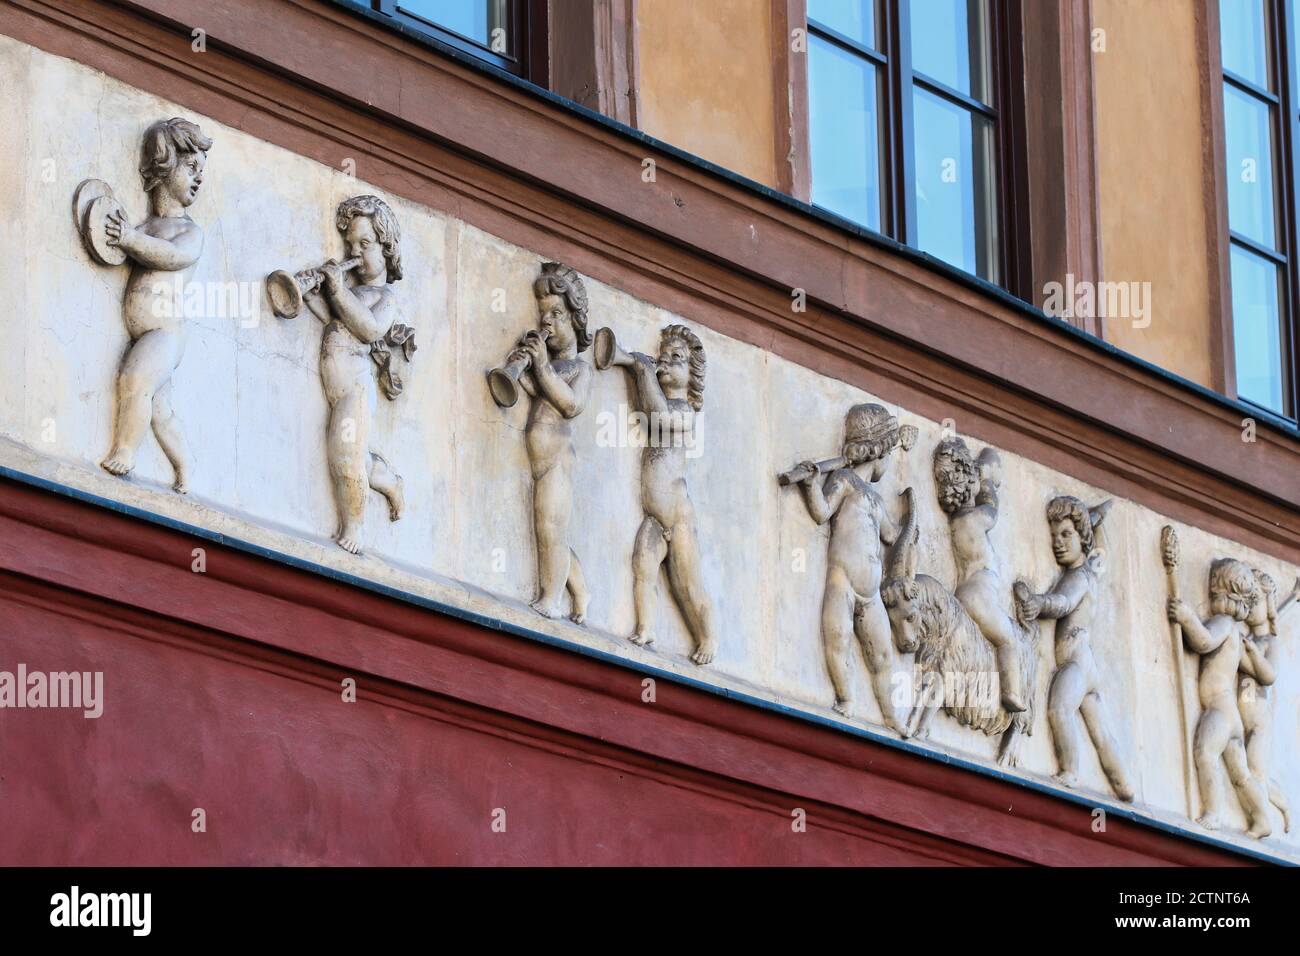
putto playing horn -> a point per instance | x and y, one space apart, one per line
286 290
546 364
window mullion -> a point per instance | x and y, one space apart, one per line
1288 139
901 132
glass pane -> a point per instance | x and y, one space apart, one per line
1249 150
1244 40
856 19
473 19
950 44
844 123
1257 330
956 217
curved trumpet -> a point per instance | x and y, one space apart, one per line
606 351
286 290
503 382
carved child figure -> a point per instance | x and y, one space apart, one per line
360 316
968 494
1071 602
1225 646
670 389
1253 697
559 383
172 158
860 528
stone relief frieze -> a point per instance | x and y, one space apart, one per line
1226 647
1076 691
355 301
669 390
545 363
931 587
168 242
838 493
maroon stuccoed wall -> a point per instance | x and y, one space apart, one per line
222 691
289 774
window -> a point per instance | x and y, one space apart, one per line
510 34
906 130
1261 113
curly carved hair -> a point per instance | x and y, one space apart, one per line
559 279
385 223
1268 591
955 467
1070 508
163 145
695 389
1233 584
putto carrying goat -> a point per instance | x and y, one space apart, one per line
955 666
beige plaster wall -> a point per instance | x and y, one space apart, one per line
705 81
1149 101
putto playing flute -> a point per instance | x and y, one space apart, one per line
359 314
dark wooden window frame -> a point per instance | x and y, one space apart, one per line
1284 113
526 37
1006 113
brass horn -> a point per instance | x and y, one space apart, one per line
606 350
285 290
503 382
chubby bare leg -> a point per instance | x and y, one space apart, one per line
931 696
388 483
837 638
149 362
686 579
1249 790
1257 751
1063 700
170 439
1278 799
978 596
1094 717
1212 732
871 623
578 593
347 445
552 506
647 556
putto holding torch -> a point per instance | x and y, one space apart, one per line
545 364
361 330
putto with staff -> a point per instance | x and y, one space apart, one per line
354 299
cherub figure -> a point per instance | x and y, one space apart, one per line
1225 646
1253 695
172 158
559 383
860 528
360 317
968 494
1071 602
670 391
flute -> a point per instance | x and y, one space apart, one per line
907 435
800 472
